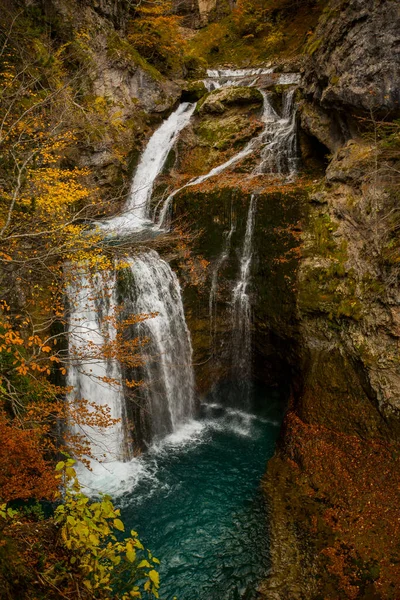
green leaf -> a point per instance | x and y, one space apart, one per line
93 539
118 524
60 465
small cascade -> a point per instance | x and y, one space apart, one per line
92 301
137 210
279 154
214 278
277 143
168 390
241 316
217 78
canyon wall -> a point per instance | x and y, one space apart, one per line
334 481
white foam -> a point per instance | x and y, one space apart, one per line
119 478
215 73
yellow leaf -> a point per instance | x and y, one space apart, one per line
154 576
143 564
118 524
131 555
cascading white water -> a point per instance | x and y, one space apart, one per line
277 141
168 386
217 78
241 314
279 152
91 377
136 215
168 391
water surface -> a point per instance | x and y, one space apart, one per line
197 503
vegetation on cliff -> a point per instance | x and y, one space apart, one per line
257 31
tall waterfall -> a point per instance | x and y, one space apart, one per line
91 377
168 386
214 278
167 395
241 315
168 390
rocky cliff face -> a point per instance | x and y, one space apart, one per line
353 68
334 482
121 96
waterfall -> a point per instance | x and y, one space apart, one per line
168 391
136 215
241 316
217 78
92 301
168 387
279 153
167 394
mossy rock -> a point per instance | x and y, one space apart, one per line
195 66
220 100
224 133
193 91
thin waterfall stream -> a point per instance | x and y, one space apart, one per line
241 317
193 494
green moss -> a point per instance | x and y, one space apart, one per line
220 100
313 46
120 49
322 228
331 291
195 66
224 133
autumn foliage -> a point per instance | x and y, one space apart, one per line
154 32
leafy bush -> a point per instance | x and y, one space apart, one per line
108 565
